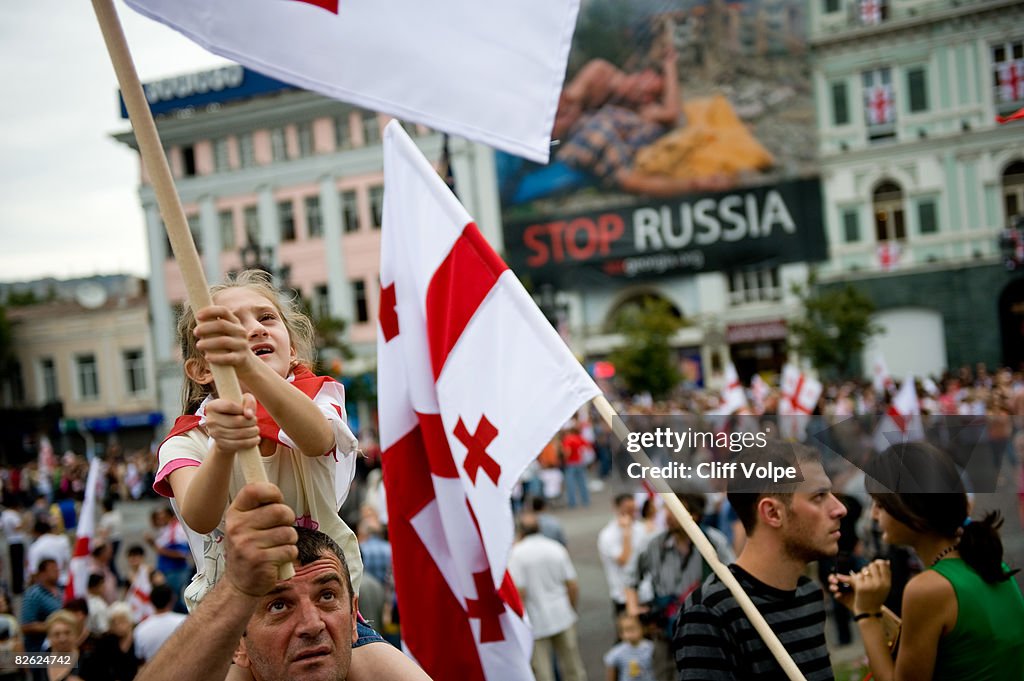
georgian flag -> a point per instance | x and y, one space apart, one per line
871 12
901 421
473 382
491 72
78 571
759 390
881 379
800 394
138 594
1011 80
880 104
734 397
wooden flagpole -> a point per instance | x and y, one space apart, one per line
703 545
172 213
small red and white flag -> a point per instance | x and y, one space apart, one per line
1011 80
78 571
734 396
800 394
881 379
889 253
138 595
871 12
473 382
880 104
489 72
759 390
901 421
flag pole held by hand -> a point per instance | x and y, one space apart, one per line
173 215
703 545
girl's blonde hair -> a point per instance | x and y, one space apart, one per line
64 617
299 325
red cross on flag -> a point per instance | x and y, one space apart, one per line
889 253
472 382
1011 80
871 12
734 397
880 107
901 421
800 394
78 570
438 63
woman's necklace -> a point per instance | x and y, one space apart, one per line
943 553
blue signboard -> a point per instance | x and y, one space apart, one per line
197 90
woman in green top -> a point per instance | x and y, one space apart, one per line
963 618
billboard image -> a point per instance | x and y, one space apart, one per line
694 109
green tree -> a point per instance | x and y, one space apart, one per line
647 361
835 326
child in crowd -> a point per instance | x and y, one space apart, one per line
296 419
633 658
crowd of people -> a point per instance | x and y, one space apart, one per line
883 552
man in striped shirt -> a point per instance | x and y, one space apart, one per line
788 526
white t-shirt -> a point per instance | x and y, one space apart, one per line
53 546
308 485
153 631
541 567
11 521
609 546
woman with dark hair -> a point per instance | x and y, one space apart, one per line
963 617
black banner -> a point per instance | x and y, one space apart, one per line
739 229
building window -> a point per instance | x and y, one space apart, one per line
134 372
226 222
196 230
246 150
840 104
754 286
830 6
873 12
1013 190
377 205
88 377
927 216
1008 75
251 219
278 145
349 211
321 304
16 383
221 155
851 226
188 161
888 206
371 128
48 377
342 131
359 297
314 221
879 104
917 89
286 220
305 131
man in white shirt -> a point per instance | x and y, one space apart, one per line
546 579
47 544
153 631
618 543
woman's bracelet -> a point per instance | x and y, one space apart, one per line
864 615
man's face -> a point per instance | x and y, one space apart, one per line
811 526
304 628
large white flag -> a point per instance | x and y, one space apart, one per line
799 398
472 382
490 72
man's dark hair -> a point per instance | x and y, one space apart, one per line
42 527
528 525
620 499
313 544
136 550
161 596
695 503
79 605
43 564
538 504
745 492
95 580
